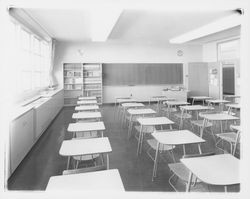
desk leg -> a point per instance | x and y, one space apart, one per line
189 181
225 188
199 148
130 126
236 141
184 149
193 102
139 141
155 161
68 162
107 161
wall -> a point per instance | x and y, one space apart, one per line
111 52
209 51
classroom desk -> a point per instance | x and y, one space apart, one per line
217 117
151 121
126 105
119 98
160 99
195 108
171 104
137 112
87 98
86 115
86 127
231 97
81 147
217 101
87 108
85 102
232 106
107 180
181 137
200 98
220 169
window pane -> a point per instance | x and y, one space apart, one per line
36 79
26 78
25 40
36 46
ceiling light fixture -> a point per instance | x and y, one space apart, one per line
217 26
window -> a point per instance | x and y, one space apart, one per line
229 50
31 60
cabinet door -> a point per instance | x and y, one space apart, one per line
21 138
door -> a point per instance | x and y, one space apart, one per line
228 84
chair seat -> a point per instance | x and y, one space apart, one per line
184 116
86 157
231 113
145 129
153 144
199 123
229 136
181 171
169 109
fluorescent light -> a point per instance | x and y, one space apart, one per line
217 26
103 22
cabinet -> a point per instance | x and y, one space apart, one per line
21 138
82 80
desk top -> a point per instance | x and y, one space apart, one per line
123 100
141 111
86 115
85 146
87 98
132 104
217 101
196 108
176 103
220 169
86 126
107 180
231 96
87 108
177 137
237 106
87 102
200 97
219 116
154 121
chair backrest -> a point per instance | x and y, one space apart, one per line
198 155
84 170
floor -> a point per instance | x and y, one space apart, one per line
44 161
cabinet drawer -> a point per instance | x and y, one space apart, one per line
21 138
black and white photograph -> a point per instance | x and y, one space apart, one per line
115 98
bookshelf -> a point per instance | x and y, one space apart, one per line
81 80
92 81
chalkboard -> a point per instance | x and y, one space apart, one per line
142 74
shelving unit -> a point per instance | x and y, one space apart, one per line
82 80
92 81
73 82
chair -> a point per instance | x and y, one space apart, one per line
84 170
202 124
233 138
181 116
85 158
181 172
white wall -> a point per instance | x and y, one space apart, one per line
111 52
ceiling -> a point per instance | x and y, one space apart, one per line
148 26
